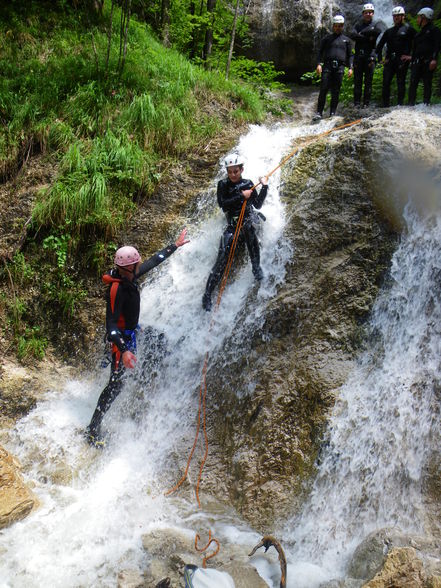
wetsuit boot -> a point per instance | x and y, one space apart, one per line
255 261
93 433
206 298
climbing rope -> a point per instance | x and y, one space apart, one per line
203 386
202 549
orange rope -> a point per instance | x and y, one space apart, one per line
200 549
203 386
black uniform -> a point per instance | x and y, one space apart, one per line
335 53
230 199
365 36
426 46
122 315
398 40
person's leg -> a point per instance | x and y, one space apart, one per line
369 69
414 79
219 267
401 83
358 80
324 87
253 249
336 80
427 81
388 73
107 396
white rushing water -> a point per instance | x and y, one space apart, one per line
96 505
386 420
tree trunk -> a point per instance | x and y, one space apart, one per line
109 37
208 45
165 22
233 35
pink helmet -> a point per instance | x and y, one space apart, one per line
126 256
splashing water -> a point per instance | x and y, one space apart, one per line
386 420
96 506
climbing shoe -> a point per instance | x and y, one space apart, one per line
94 439
206 302
258 273
317 116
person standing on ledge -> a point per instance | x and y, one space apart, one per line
426 47
122 315
365 34
334 55
398 40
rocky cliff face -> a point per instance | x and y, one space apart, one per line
344 202
288 33
271 392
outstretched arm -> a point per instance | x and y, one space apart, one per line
162 255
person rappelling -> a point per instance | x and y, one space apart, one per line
122 315
231 194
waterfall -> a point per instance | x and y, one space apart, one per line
96 505
386 420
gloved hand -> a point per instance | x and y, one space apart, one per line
129 359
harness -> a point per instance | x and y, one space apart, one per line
334 63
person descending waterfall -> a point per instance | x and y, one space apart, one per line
398 40
365 34
122 314
426 47
231 194
334 54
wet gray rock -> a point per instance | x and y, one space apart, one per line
390 556
288 33
344 197
169 550
16 498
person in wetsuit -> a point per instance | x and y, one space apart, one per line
426 47
365 34
122 315
231 194
335 53
398 40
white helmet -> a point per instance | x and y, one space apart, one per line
233 160
398 10
369 7
126 256
426 12
338 19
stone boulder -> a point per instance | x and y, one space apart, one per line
402 568
390 558
16 499
169 550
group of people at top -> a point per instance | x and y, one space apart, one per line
404 47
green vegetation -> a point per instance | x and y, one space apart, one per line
110 107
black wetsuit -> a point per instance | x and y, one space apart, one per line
398 40
230 199
122 315
365 36
335 53
426 47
